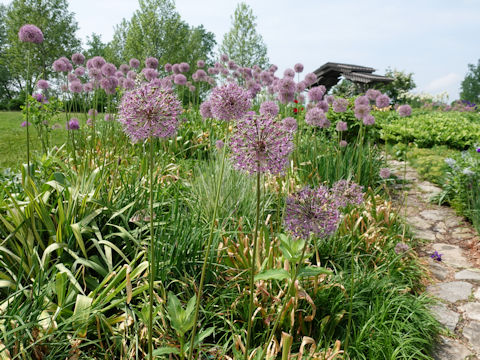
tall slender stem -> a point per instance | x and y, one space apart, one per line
252 270
27 92
207 252
152 259
350 308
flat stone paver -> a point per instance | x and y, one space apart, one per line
451 291
451 255
445 316
448 349
471 310
477 294
439 271
468 274
472 333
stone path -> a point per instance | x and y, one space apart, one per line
455 280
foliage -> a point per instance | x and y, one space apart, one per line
454 129
402 82
242 43
470 86
95 46
345 88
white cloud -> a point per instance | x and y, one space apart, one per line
440 84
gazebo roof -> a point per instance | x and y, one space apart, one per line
329 74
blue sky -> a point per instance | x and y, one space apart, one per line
433 39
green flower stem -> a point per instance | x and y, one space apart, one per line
289 290
252 271
152 260
207 252
27 92
350 307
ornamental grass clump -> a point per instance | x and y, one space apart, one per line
145 113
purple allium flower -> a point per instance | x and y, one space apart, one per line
219 144
330 99
347 193
88 87
124 68
341 126
310 79
128 84
183 67
368 120
149 111
151 63
404 110
134 63
118 74
98 62
67 63
78 59
38 97
229 102
361 111
72 77
42 84
316 93
298 68
372 94
25 124
80 71
382 101
259 144
231 65
362 100
76 86
168 67
269 107
109 84
131 75
340 105
311 211
401 248
73 124
273 68
180 79
107 117
384 173
200 63
92 112
59 65
290 124
224 57
343 143
289 73
301 86
301 98
323 105
109 69
95 74
206 110
436 256
30 33
316 117
150 73
89 122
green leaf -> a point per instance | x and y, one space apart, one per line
166 350
273 274
313 271
81 314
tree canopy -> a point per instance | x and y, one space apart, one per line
242 43
402 82
470 86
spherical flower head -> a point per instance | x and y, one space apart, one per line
382 101
30 33
404 110
92 113
73 124
109 84
340 105
361 111
124 68
134 63
224 57
79 71
151 63
316 117
259 144
42 84
329 99
72 77
368 120
150 73
180 79
269 107
273 68
109 69
118 74
95 74
76 87
384 173
206 110
149 111
311 212
78 59
200 64
59 66
131 75
310 79
298 68
128 84
301 86
362 100
301 98
323 105
232 65
183 67
88 87
98 62
108 117
289 73
39 97
89 122
229 102
343 143
219 144
401 248
176 68
290 124
372 94
346 193
316 93
341 126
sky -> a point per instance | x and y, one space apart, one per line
433 39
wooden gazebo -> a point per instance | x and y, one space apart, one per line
330 73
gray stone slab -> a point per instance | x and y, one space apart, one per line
440 227
471 310
428 187
450 349
419 223
434 215
424 234
472 333
452 255
445 316
477 294
438 270
451 291
472 275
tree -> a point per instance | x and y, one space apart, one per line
242 43
59 29
4 74
470 86
402 82
95 46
